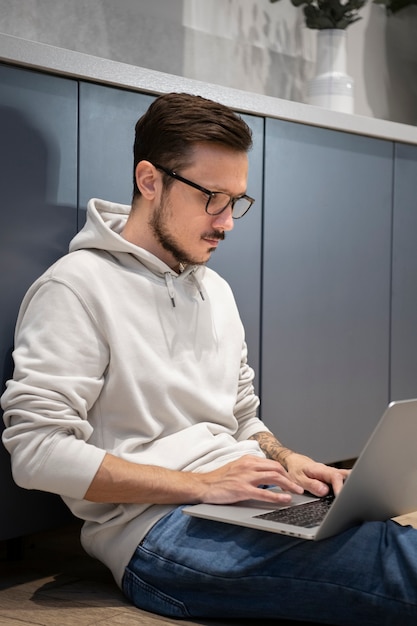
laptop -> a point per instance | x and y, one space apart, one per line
381 485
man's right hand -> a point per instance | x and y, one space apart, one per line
240 480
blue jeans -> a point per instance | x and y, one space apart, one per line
193 568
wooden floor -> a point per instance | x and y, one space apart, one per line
54 583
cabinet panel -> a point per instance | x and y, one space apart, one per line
404 276
107 131
38 217
326 287
238 259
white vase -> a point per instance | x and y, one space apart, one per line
331 87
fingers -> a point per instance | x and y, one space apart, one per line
317 478
334 480
270 496
267 472
240 480
339 480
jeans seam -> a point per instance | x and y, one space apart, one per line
141 585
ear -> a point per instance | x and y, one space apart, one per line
147 179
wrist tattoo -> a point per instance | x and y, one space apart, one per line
272 448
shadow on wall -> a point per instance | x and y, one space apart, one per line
258 48
32 235
32 231
285 60
394 95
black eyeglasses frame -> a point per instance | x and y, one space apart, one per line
207 192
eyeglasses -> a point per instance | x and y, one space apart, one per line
217 201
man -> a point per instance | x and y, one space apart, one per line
132 396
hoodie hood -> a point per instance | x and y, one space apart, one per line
102 231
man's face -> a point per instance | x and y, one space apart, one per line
181 227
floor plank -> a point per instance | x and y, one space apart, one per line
409 519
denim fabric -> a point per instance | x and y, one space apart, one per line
193 568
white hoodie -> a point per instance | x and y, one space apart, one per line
116 352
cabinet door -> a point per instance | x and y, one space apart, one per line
326 287
404 276
38 217
238 259
107 131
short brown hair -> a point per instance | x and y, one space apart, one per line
174 122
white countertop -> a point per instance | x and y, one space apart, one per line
30 54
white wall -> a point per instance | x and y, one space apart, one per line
247 44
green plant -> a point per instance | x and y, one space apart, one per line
324 14
392 6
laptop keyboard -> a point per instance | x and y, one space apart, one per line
306 515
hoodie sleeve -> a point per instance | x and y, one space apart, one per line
247 402
60 360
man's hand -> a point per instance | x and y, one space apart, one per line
240 480
302 470
315 477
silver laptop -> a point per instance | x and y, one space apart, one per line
382 484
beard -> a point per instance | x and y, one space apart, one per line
159 223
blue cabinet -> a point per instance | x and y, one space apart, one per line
239 258
107 131
404 276
326 287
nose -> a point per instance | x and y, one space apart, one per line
224 221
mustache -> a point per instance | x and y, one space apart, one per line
220 235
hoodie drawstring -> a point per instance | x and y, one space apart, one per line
198 285
170 286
